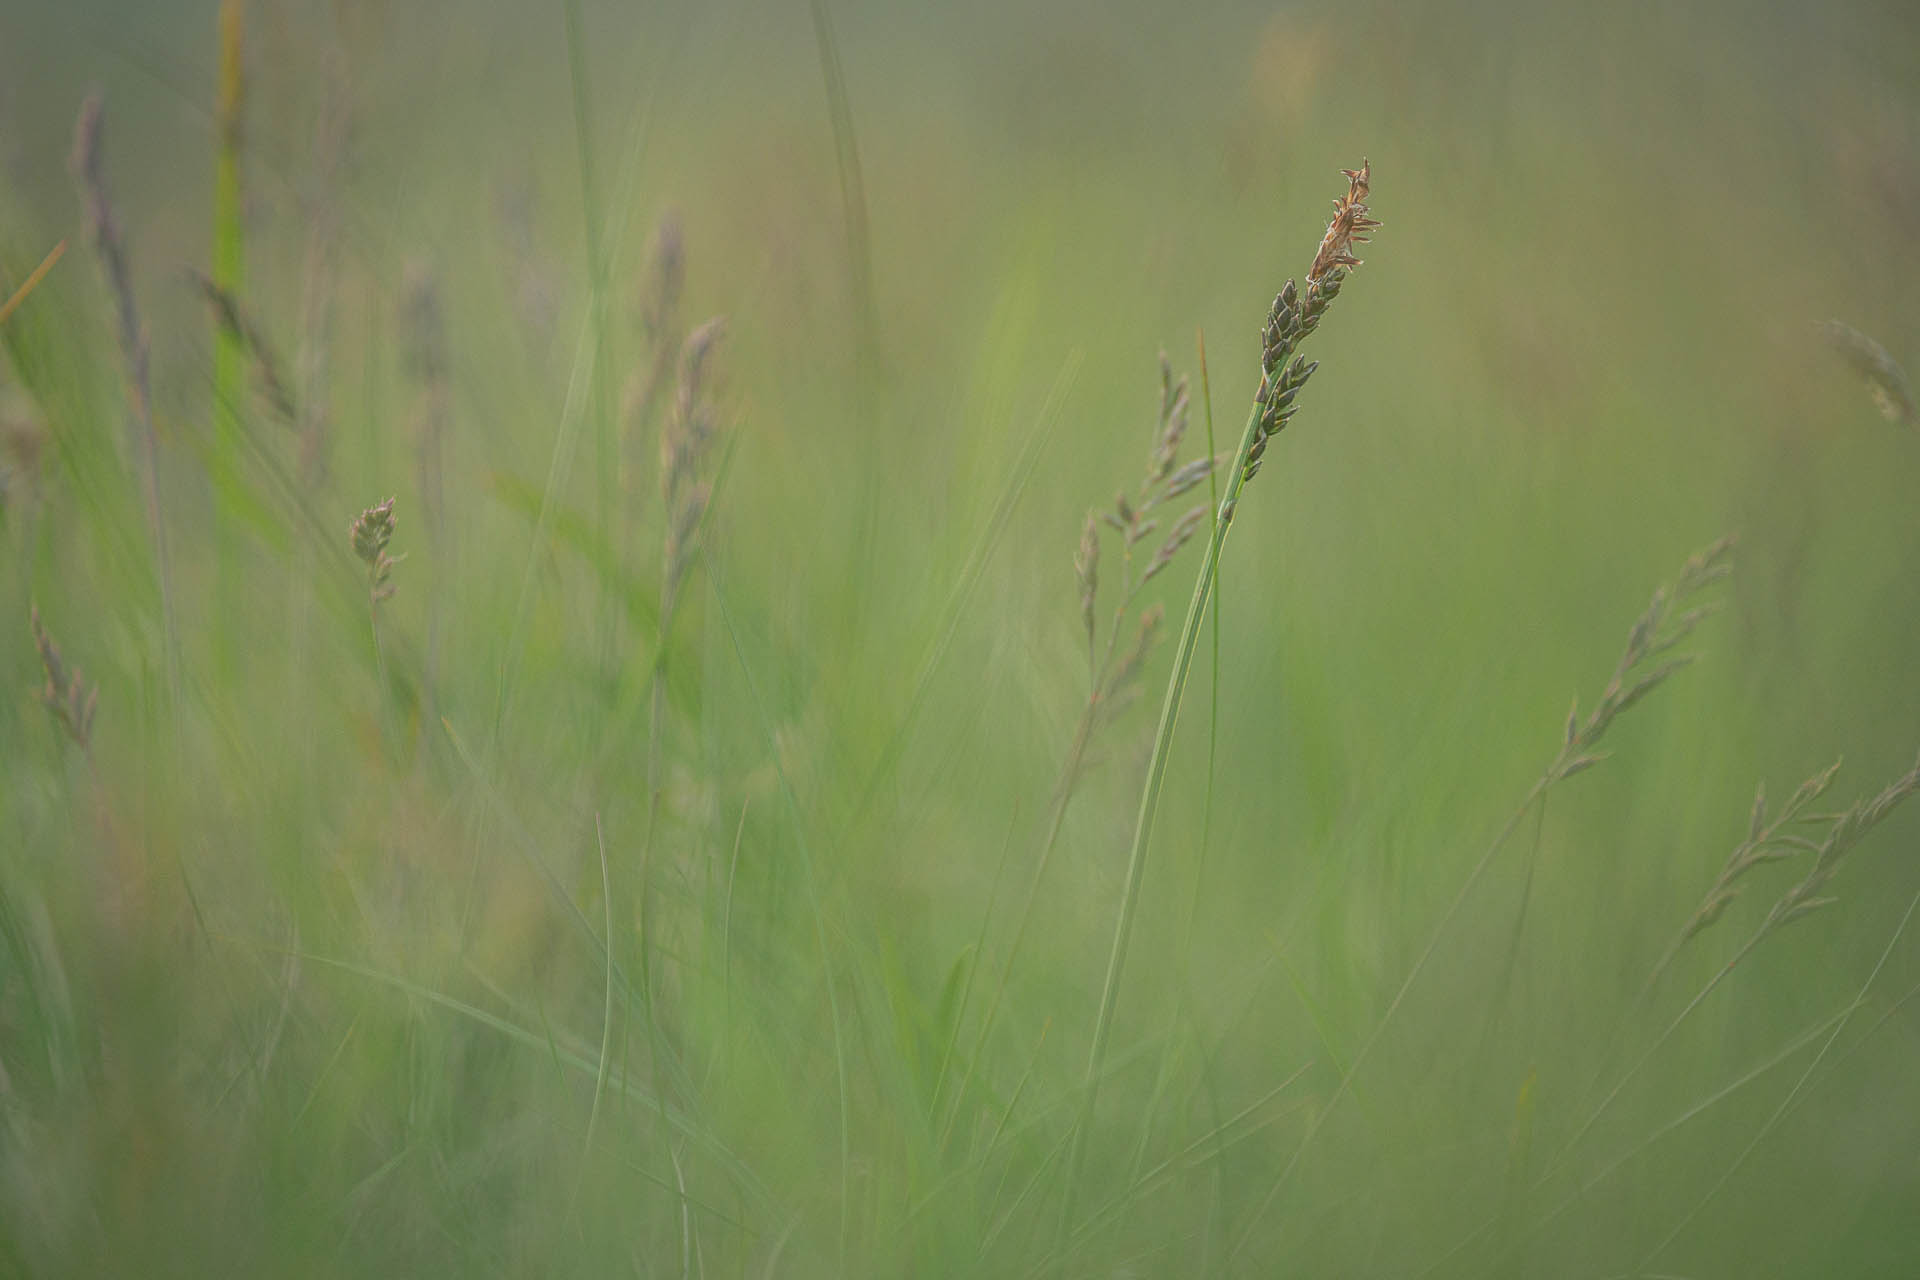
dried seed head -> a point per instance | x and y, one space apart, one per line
1350 226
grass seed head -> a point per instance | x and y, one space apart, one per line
1086 568
66 694
686 441
1183 531
1295 315
234 320
370 533
1886 380
665 279
1653 633
1350 226
1174 404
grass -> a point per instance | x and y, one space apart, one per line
722 826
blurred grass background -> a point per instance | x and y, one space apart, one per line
305 967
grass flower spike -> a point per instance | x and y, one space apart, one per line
66 694
371 533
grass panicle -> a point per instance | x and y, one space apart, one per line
687 437
67 694
1843 834
370 533
656 309
1768 840
88 165
686 446
238 325
1670 618
1086 571
1886 381
1293 317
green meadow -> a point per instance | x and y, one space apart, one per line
619 652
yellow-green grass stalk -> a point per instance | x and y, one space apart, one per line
32 282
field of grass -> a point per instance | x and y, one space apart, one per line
694 829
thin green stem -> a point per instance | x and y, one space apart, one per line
1184 959
1149 809
1213 711
606 1012
1215 1196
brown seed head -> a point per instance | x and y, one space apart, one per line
1350 226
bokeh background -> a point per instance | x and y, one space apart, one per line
498 928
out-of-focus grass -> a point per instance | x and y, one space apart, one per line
307 972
